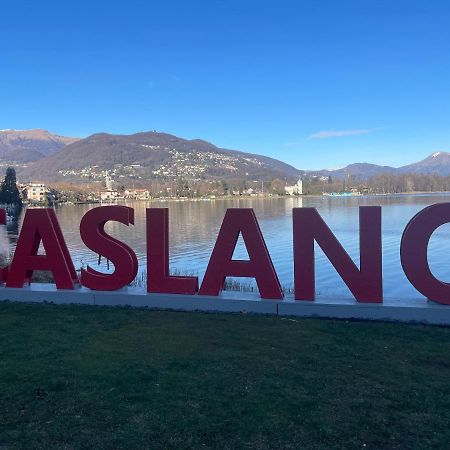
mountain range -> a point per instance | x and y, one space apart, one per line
154 155
437 163
42 156
24 146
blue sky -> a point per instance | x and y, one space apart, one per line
318 84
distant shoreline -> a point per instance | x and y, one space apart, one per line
248 197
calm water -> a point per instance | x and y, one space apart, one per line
194 227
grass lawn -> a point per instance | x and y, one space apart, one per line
74 377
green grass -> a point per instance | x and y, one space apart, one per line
75 377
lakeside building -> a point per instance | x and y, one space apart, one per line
353 191
109 194
108 182
137 194
359 190
35 192
296 189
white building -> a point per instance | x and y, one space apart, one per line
108 183
137 194
36 192
297 189
109 194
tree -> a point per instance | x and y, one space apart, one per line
277 186
225 187
9 193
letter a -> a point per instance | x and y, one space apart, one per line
222 265
41 225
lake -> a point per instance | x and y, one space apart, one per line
194 226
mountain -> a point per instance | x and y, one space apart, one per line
358 171
24 146
436 164
153 155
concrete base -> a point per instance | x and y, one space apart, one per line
400 310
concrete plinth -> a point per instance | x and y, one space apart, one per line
396 310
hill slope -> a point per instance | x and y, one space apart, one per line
153 155
358 171
437 164
24 146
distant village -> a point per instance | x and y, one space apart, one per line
111 191
162 166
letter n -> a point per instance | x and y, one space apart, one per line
365 283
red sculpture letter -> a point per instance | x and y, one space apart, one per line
365 283
414 252
92 231
41 225
158 273
221 264
4 270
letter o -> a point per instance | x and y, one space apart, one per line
414 252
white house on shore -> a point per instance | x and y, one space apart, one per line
109 194
297 189
137 194
36 192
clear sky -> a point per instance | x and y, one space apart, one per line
318 84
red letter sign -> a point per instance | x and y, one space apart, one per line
41 225
365 284
221 264
92 231
414 252
3 270
158 274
